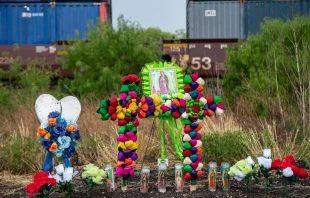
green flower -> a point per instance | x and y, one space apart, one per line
241 164
98 179
233 171
247 169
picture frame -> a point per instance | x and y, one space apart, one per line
163 79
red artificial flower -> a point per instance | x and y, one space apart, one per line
125 78
45 181
196 108
39 175
114 102
133 78
296 170
31 189
290 159
284 165
276 164
303 173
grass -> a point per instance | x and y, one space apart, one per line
224 139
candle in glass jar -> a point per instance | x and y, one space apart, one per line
179 177
145 175
212 176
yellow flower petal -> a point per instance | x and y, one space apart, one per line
119 109
120 116
121 145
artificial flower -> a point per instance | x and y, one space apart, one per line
61 121
264 162
53 114
97 179
247 169
58 178
288 172
31 189
76 135
53 147
232 171
58 152
52 121
60 169
47 136
46 143
276 164
267 153
59 130
71 128
63 142
41 132
290 159
68 174
68 152
303 173
250 161
241 163
239 175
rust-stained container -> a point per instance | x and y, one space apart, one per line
48 53
205 56
214 19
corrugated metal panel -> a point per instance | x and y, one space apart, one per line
72 17
256 11
215 19
25 23
41 23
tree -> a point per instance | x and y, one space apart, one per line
272 70
99 64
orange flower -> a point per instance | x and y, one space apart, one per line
47 136
53 147
41 132
71 128
52 121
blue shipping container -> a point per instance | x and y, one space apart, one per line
257 11
25 23
233 19
42 23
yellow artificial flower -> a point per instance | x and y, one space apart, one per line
97 179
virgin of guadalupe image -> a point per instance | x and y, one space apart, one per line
179 180
162 179
212 178
163 83
144 181
225 179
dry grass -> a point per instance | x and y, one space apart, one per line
99 143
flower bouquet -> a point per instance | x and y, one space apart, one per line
58 136
92 176
265 165
42 186
63 178
288 171
245 169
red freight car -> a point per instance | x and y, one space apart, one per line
47 53
205 56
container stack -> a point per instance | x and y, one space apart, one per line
237 19
34 22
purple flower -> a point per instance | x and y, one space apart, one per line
76 135
59 130
46 143
54 114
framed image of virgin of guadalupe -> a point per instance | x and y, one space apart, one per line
162 79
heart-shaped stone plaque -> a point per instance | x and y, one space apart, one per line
69 107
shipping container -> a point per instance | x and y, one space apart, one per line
25 23
257 11
238 19
213 19
45 23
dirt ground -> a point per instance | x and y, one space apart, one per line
14 186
